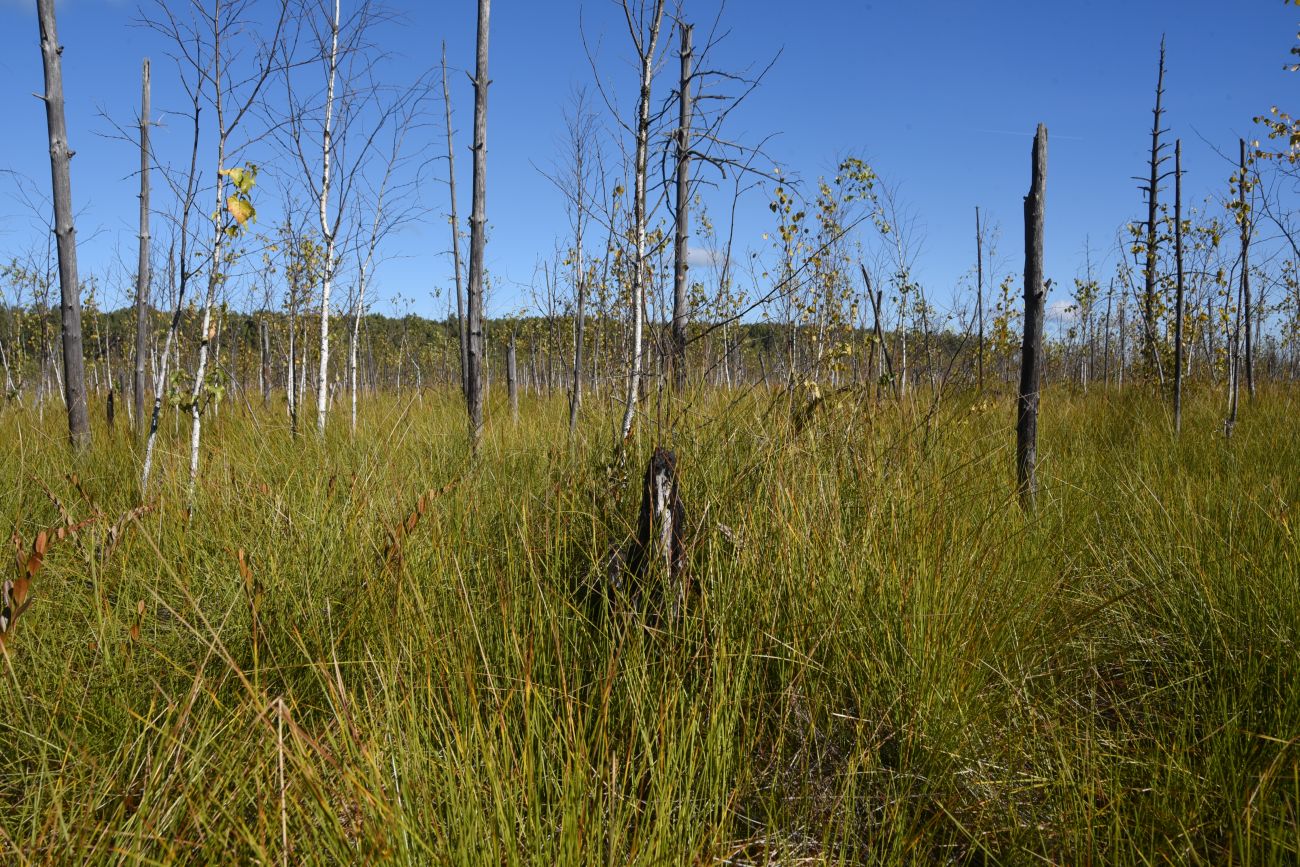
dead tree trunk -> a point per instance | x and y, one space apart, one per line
646 45
655 559
979 301
477 233
1234 367
1105 352
680 251
455 233
580 286
1123 338
512 378
877 299
265 340
575 397
1152 190
1244 213
142 274
1031 353
1178 301
65 233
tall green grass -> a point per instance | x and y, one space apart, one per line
887 661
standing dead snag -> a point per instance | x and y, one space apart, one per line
478 234
1031 355
142 274
646 41
658 550
677 357
65 233
1152 238
455 232
512 379
1243 215
979 302
1178 303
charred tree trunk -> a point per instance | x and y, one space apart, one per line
65 233
655 559
477 233
1031 354
142 275
680 250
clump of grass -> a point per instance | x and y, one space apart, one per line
888 662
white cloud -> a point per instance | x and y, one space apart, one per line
1059 310
701 257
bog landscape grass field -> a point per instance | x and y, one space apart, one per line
884 659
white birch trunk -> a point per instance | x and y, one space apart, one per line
647 51
327 231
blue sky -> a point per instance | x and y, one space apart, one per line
940 97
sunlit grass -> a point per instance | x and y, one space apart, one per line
887 660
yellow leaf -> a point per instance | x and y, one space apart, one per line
242 178
240 209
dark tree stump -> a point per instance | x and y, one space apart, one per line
654 561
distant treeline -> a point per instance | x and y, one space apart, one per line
252 352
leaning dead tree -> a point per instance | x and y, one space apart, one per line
65 233
478 234
1031 352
